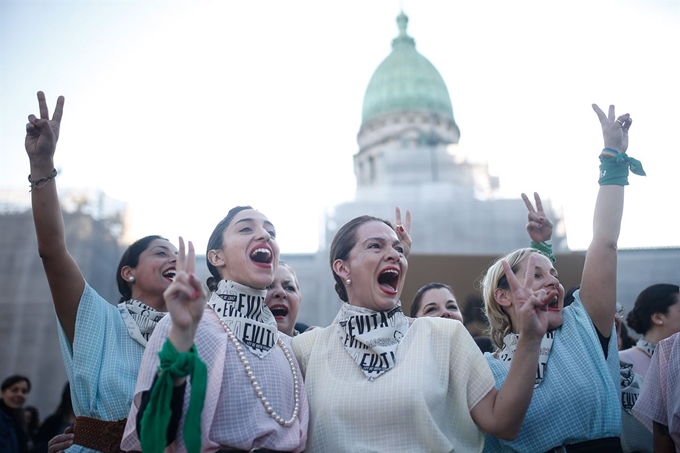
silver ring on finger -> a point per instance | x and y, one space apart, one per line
620 122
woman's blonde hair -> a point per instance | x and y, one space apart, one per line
494 278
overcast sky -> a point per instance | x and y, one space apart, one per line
185 109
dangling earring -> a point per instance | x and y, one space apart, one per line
348 281
132 278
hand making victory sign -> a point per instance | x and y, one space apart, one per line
532 305
42 133
403 230
539 226
614 130
185 299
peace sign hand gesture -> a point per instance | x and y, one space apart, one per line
614 130
531 305
185 299
403 230
539 226
42 134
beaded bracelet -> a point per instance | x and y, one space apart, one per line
42 182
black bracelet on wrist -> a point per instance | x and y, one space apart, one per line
42 182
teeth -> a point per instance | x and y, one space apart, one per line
261 250
390 271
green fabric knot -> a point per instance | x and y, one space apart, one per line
614 170
545 248
156 417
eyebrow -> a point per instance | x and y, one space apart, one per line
164 247
382 241
249 219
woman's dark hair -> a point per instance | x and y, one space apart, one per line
569 295
418 298
627 341
131 258
653 299
33 423
10 381
343 242
216 242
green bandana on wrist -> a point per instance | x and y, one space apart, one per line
156 418
614 168
545 248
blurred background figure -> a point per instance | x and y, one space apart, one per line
57 422
13 435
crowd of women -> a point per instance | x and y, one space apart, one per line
226 371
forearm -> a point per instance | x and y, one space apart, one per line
501 413
598 283
47 217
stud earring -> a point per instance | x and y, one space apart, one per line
348 281
132 278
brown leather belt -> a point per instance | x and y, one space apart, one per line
98 434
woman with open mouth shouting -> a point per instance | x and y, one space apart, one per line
576 401
379 381
284 297
244 389
101 343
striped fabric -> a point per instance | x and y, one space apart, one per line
422 405
233 417
579 398
103 363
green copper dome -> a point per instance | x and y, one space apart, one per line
405 80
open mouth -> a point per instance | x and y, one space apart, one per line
261 255
388 280
554 303
279 311
170 274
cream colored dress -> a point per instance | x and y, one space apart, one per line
422 405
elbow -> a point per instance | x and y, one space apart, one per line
506 431
509 434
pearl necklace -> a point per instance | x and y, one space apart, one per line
253 380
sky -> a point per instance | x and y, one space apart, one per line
183 110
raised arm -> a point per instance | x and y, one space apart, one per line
598 283
539 227
63 275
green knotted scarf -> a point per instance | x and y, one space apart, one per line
156 418
614 168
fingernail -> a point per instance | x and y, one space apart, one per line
194 295
400 229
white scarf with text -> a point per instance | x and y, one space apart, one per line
371 337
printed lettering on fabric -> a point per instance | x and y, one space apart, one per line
243 310
646 346
630 386
507 353
371 337
139 319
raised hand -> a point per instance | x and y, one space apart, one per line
531 306
42 133
403 230
539 226
614 130
185 299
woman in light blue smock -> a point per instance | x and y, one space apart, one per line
576 400
102 343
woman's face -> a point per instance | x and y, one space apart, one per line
249 253
14 396
154 272
283 299
439 303
545 277
671 319
376 267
